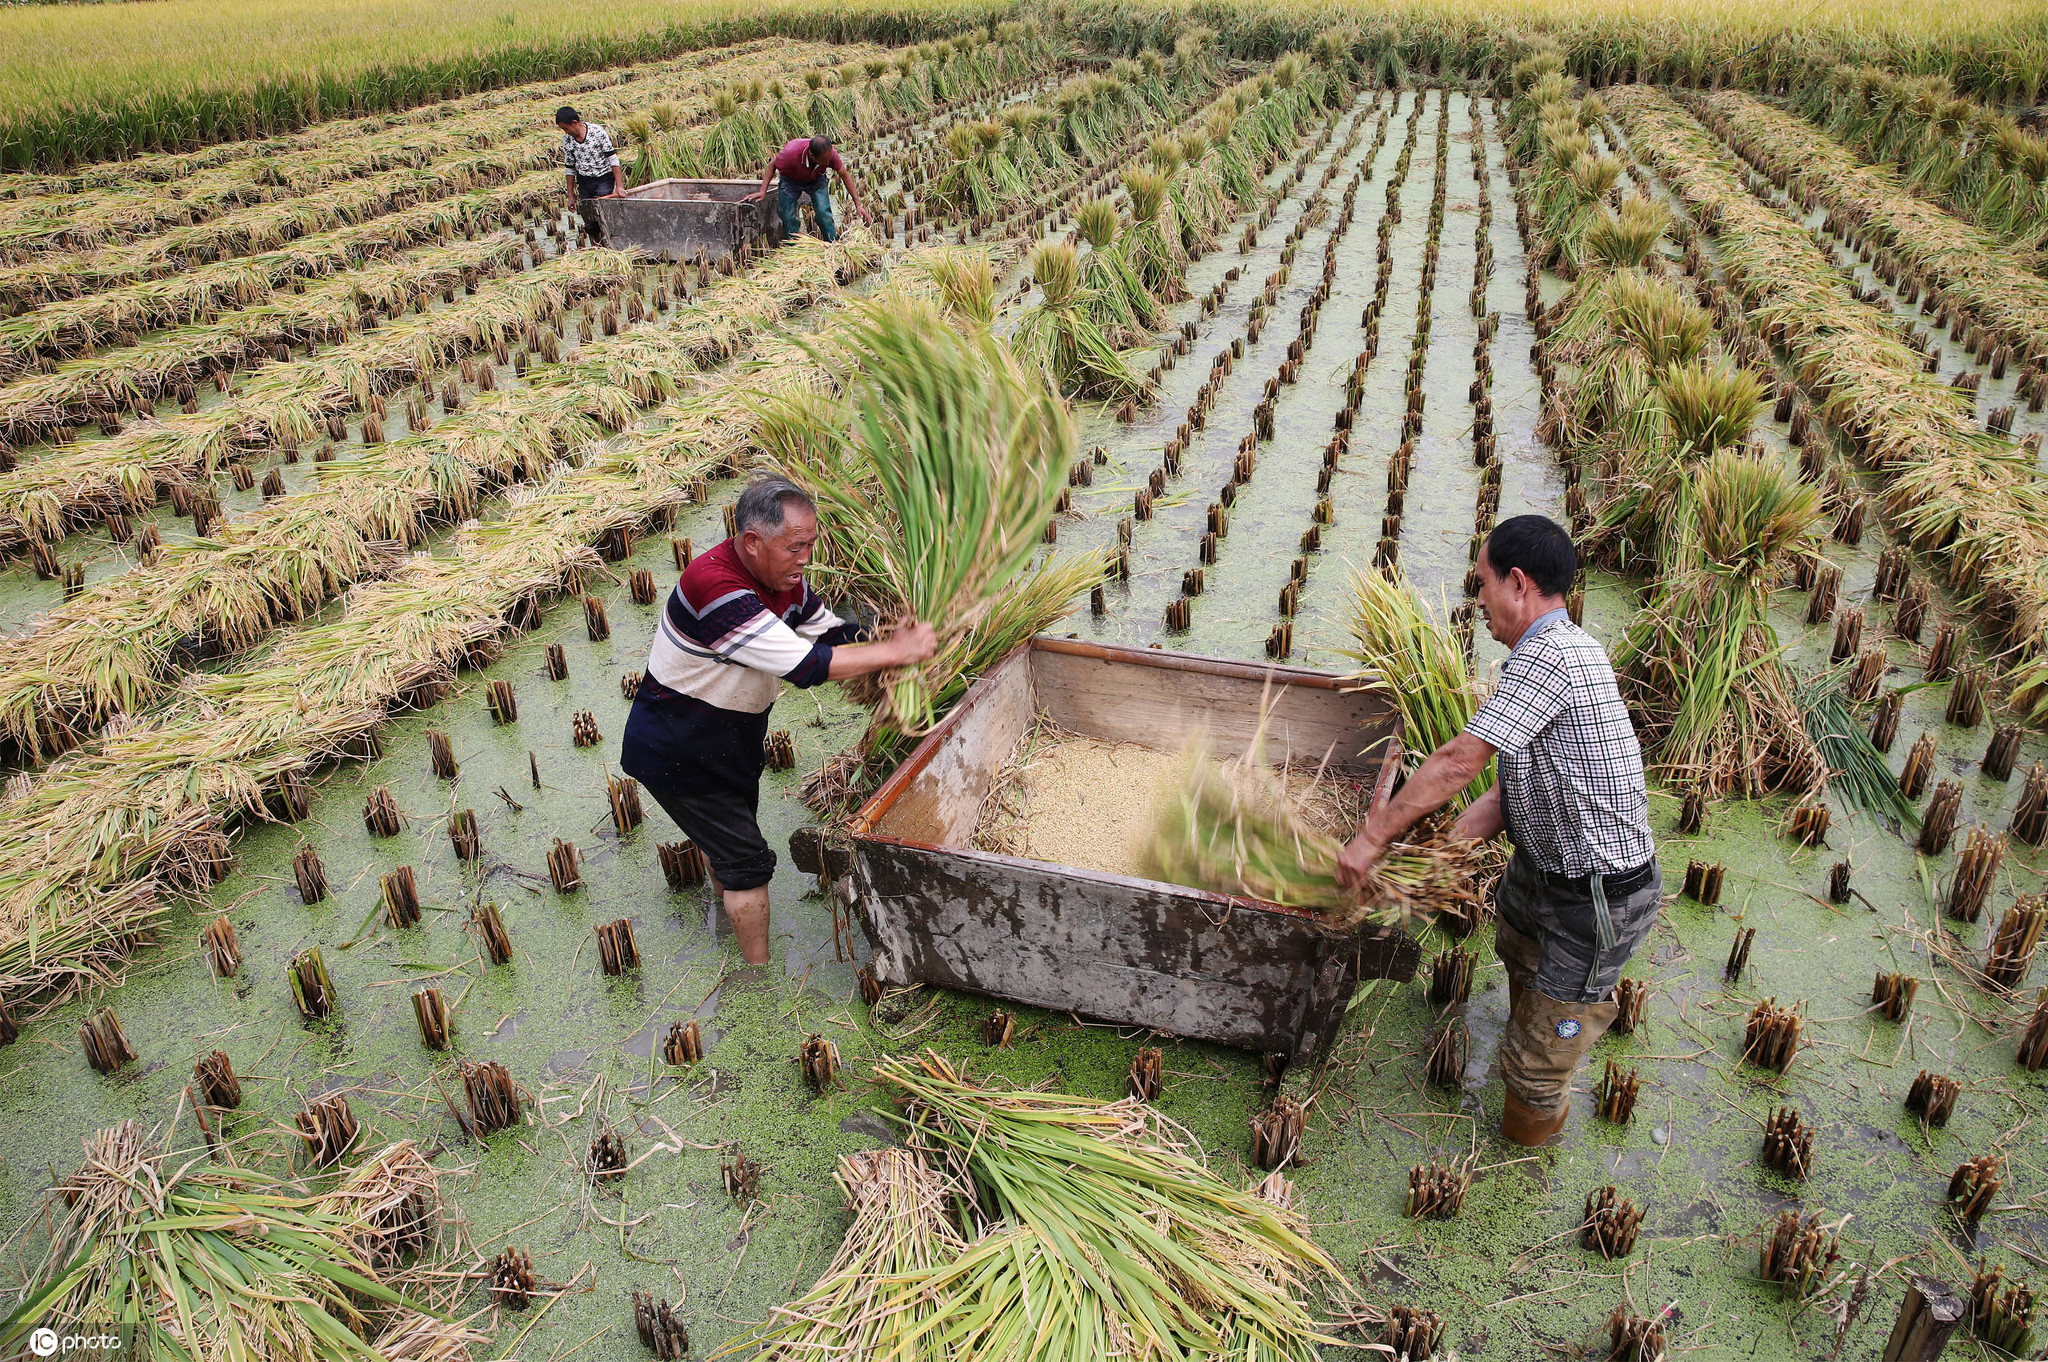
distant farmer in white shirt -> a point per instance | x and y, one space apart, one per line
1583 888
591 164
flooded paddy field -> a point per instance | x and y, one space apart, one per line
1427 176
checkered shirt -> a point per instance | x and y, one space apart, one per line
1571 771
591 157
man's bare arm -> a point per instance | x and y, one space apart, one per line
1434 784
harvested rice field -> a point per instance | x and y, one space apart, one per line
344 480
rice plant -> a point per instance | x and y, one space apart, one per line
1060 335
953 454
1232 828
1105 1228
204 1262
1700 662
1403 651
109 650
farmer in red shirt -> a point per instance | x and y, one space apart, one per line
805 164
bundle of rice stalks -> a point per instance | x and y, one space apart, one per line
1404 651
981 178
1232 829
1113 291
1855 766
205 1262
965 279
873 1299
1664 415
1111 1238
945 458
1700 663
1153 240
1029 605
1061 335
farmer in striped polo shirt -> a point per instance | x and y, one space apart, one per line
740 622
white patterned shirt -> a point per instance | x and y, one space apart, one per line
591 157
1571 771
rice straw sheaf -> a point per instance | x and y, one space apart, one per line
1855 767
1231 828
50 278
1633 332
949 453
1700 664
1060 333
111 649
44 498
1112 292
1973 266
150 805
873 1298
1108 1235
131 377
965 279
209 1263
1617 246
1405 652
1971 156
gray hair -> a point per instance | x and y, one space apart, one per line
761 506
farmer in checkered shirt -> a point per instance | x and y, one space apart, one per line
1582 888
591 164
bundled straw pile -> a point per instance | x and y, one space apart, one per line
1101 1234
874 1300
225 1263
1700 663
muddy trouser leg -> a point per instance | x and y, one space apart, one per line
1563 952
1537 1058
821 208
786 196
588 188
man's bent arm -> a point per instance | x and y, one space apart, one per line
852 191
1435 783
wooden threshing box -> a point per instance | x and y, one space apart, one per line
1116 948
681 219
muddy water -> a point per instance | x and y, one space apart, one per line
1165 547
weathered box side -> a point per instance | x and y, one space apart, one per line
1124 950
680 219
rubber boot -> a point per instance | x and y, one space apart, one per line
1526 1125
